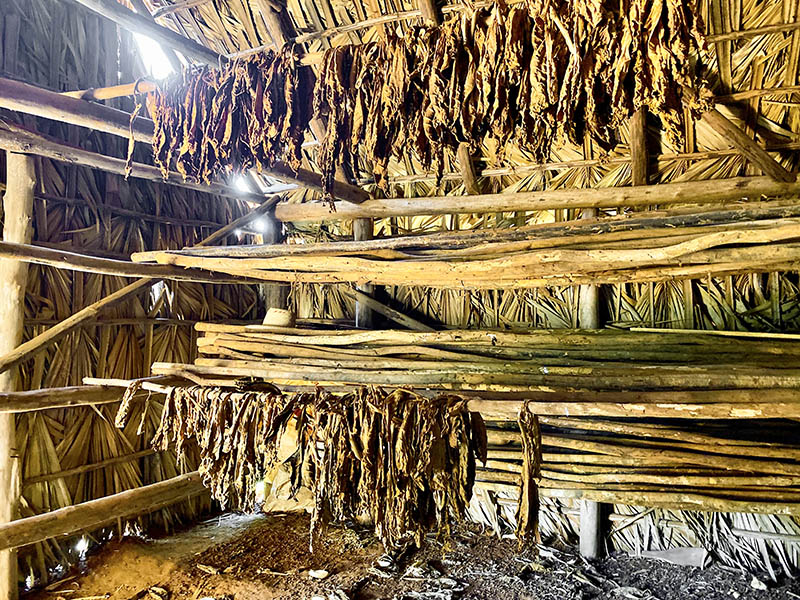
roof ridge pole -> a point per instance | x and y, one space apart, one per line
17 227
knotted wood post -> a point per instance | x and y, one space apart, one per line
591 533
17 227
364 229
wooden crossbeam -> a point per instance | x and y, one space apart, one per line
395 315
102 511
751 151
61 259
33 100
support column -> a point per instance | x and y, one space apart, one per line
276 295
17 227
364 229
591 512
591 531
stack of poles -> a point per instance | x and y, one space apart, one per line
586 387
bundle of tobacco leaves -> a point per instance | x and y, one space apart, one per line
405 461
402 460
237 434
252 113
534 75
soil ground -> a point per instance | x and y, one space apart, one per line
268 557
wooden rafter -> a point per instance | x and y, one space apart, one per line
127 19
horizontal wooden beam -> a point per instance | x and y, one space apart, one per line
668 220
44 103
135 23
15 139
33 100
61 259
62 397
690 192
99 512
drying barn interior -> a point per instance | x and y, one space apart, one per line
352 299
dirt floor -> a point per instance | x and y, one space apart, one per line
267 557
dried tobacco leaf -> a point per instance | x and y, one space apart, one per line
528 508
535 75
252 113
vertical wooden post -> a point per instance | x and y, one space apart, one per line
591 529
17 227
637 129
364 229
276 295
591 513
430 12
591 533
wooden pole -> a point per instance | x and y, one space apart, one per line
17 227
591 522
749 148
693 192
364 229
581 228
369 303
127 19
19 354
16 355
33 100
94 513
26 142
638 142
276 295
61 259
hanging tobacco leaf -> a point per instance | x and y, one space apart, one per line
534 75
528 508
404 461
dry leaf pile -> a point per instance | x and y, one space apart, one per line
405 461
534 75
